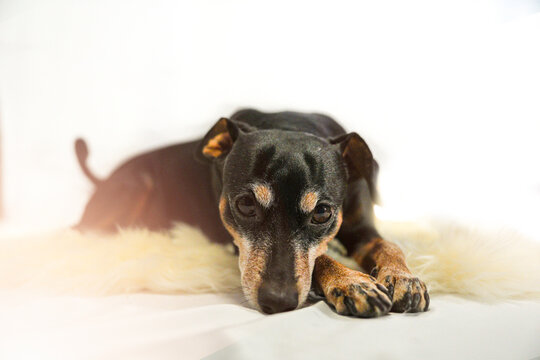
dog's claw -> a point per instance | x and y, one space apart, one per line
409 294
383 289
385 300
426 297
349 303
391 291
415 302
403 304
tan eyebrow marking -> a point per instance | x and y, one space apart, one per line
309 201
263 194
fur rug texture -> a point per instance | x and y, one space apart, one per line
479 264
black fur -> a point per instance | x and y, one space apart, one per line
294 152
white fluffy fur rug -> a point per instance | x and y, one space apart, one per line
450 259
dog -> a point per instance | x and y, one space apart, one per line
280 186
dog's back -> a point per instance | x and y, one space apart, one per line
168 185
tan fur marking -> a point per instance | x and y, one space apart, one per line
303 267
308 202
252 263
381 253
247 254
305 261
263 194
330 274
218 145
230 229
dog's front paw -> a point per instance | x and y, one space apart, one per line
408 293
358 294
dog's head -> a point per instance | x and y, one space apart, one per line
281 200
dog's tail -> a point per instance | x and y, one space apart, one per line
81 150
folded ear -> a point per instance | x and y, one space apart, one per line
218 141
359 160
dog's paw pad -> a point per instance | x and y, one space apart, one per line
359 296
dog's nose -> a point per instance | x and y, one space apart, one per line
274 298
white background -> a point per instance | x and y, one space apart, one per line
446 93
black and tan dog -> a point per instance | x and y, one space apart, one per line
280 186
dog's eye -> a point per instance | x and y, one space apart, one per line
246 206
321 214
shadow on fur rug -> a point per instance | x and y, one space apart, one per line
482 265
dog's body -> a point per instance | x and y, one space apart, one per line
280 186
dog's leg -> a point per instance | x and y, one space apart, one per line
386 262
382 259
117 204
350 292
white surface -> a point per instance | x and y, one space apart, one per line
192 327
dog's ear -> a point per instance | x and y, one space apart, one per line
359 160
356 155
218 141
